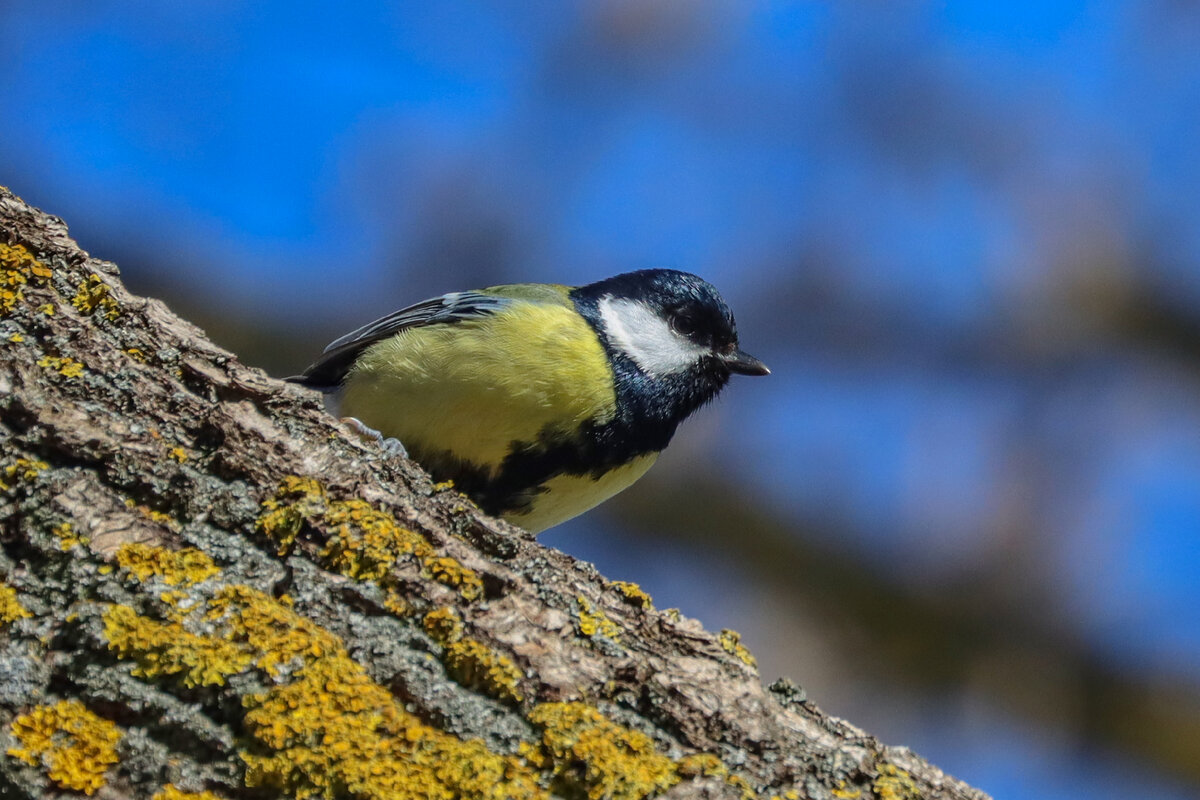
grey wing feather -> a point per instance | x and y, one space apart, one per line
330 369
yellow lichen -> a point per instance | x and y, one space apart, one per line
633 594
73 745
365 543
362 542
170 792
296 500
593 621
242 628
731 642
11 609
742 785
94 294
443 626
47 309
178 454
845 793
168 649
894 783
160 517
184 567
67 537
178 599
708 765
702 764
18 268
396 604
136 353
23 470
332 732
475 665
594 757
275 634
67 367
449 571
323 729
16 338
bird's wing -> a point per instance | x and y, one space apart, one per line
330 369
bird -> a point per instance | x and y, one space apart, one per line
538 401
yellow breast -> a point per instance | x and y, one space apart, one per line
476 387
569 496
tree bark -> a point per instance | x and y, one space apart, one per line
210 586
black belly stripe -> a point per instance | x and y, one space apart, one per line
594 451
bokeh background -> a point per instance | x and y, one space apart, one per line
964 511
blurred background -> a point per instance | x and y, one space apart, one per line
964 511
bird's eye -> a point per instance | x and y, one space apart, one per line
684 325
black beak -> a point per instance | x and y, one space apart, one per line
743 363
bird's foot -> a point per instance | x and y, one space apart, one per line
393 448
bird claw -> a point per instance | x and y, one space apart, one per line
393 448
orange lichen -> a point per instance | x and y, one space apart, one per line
73 745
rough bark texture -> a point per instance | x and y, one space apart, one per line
209 586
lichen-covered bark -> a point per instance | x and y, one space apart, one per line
209 589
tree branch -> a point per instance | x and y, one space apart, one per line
209 586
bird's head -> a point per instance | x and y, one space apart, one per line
672 338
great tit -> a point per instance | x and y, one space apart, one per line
539 401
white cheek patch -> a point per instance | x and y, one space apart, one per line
644 336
